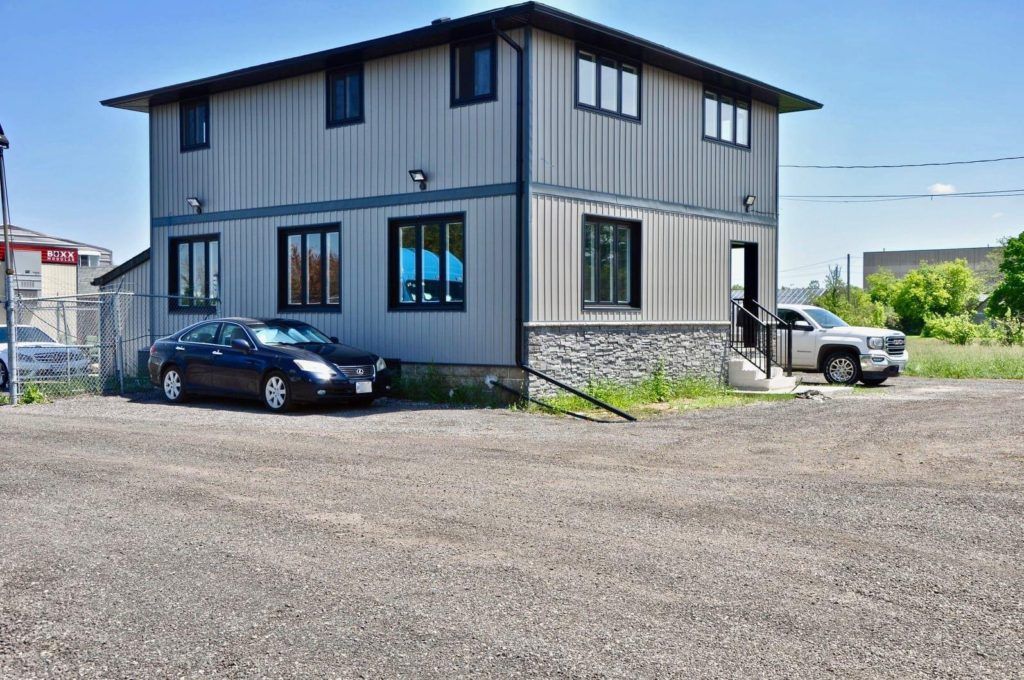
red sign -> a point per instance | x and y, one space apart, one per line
49 255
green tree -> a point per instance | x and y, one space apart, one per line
1008 297
946 289
882 286
854 307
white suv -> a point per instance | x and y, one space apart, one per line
845 354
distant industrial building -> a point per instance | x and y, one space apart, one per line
899 262
50 266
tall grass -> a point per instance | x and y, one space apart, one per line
931 358
657 390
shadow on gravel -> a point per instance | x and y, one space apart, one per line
338 410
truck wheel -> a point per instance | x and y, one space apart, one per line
872 381
841 368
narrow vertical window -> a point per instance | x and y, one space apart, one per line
345 96
710 115
609 85
606 83
194 124
610 263
586 79
194 281
474 71
630 91
742 123
309 268
726 133
427 263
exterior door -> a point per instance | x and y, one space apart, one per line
745 259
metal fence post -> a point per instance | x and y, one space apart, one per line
118 341
10 306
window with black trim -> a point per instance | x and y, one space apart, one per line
611 263
309 267
194 282
345 96
195 124
607 84
427 263
726 119
474 71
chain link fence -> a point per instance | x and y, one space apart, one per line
84 344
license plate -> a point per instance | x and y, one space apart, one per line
364 387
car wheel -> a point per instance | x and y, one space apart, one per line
841 368
4 386
277 393
173 385
872 381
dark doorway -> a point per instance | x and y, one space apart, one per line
745 276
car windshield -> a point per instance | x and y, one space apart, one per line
275 333
825 318
25 334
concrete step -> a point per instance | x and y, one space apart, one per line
744 376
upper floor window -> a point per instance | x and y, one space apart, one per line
309 267
608 84
427 263
345 96
194 272
474 71
726 119
195 124
611 263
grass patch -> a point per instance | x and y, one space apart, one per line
432 386
658 394
931 358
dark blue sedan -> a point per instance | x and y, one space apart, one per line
279 361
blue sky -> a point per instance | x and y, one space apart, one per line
901 82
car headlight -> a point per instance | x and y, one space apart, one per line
317 368
875 343
381 364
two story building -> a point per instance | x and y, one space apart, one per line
520 187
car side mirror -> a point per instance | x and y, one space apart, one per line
241 344
335 340
802 326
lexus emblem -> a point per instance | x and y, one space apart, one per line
360 371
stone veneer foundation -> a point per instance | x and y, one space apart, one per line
576 354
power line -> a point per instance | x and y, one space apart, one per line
906 165
883 198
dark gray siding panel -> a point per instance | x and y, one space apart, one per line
269 145
664 157
483 334
685 263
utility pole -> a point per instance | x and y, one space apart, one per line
848 297
12 335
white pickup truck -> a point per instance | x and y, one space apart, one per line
822 342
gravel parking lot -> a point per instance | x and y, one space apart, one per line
879 534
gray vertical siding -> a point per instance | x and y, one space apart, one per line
686 263
269 144
133 312
664 157
482 334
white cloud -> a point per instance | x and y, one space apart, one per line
996 216
940 188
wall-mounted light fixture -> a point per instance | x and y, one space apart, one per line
196 204
420 177
748 202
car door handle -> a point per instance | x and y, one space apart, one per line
218 353
179 349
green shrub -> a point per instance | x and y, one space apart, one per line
1009 330
32 394
957 329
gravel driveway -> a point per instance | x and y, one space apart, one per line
879 534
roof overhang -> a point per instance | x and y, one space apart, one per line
507 18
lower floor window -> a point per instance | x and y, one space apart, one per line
611 263
309 270
194 272
427 263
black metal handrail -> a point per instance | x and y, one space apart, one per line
755 336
